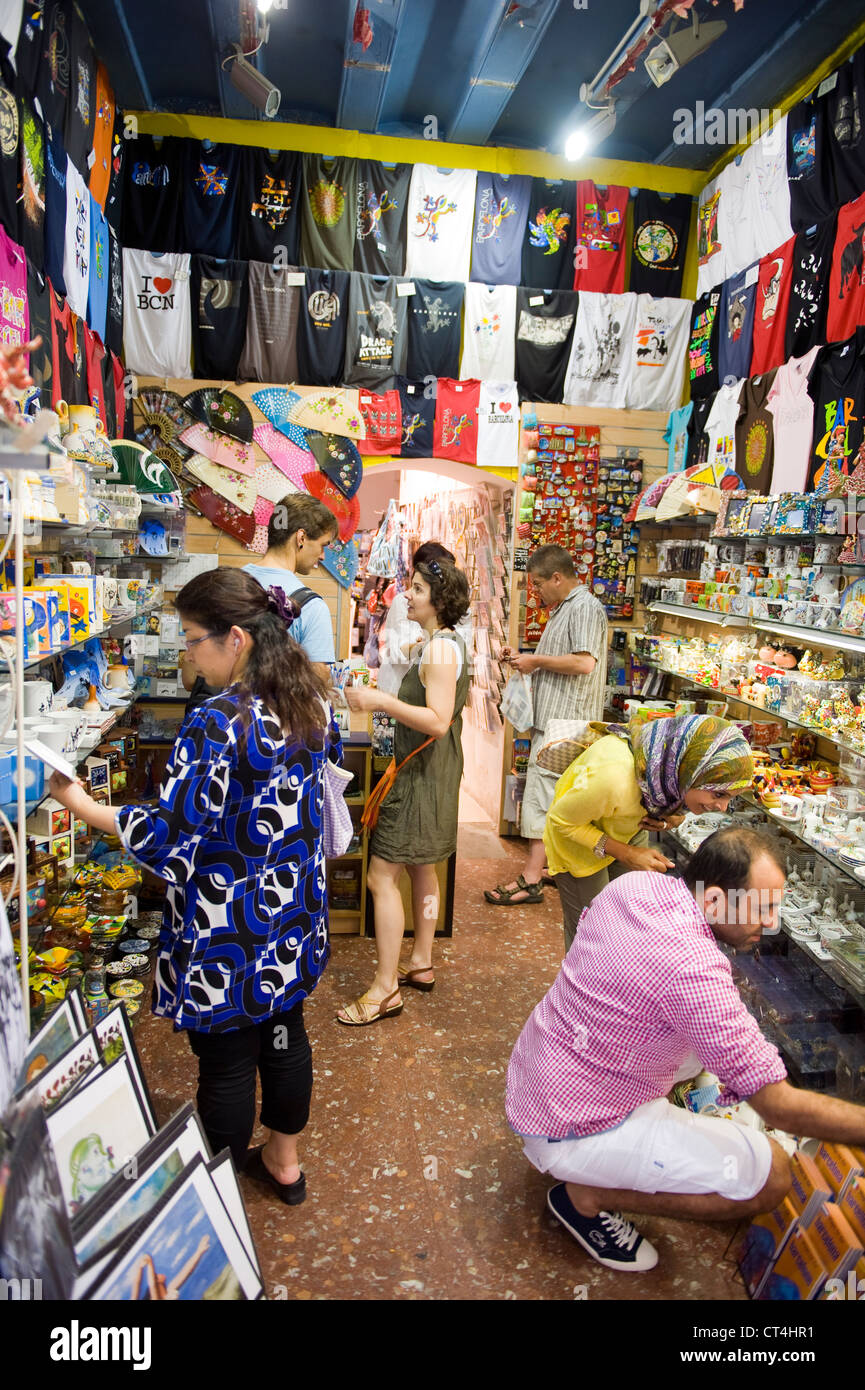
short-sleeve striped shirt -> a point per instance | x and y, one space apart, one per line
577 624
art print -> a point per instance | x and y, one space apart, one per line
56 1082
224 1175
114 1035
35 1238
57 1034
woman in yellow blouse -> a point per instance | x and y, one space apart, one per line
620 787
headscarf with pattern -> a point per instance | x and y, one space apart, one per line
692 751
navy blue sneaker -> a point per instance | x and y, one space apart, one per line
608 1237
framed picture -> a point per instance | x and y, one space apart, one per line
757 517
738 508
66 1024
794 514
54 1083
188 1251
124 1200
96 1131
114 1036
35 1236
732 504
829 514
224 1175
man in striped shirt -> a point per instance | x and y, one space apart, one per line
643 998
569 674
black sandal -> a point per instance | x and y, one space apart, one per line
506 895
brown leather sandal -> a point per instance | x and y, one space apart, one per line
405 978
505 897
361 1006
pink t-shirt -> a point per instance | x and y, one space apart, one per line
14 319
792 411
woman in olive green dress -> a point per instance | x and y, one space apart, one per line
417 821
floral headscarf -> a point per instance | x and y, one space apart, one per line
693 751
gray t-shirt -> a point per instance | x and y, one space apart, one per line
328 212
270 350
376 342
382 206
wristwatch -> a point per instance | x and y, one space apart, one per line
600 849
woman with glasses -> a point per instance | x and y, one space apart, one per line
236 837
417 819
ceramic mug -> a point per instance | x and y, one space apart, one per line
790 806
38 697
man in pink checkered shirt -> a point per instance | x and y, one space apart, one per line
643 998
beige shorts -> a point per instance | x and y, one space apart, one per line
538 795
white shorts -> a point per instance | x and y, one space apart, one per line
538 793
661 1148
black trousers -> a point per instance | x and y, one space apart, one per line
279 1051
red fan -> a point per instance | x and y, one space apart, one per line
347 512
223 514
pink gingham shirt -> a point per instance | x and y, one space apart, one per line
642 988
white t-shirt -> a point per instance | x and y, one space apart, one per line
711 259
657 376
441 209
489 329
738 225
792 412
599 368
498 425
720 425
76 246
770 204
157 327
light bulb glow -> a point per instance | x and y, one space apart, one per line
576 144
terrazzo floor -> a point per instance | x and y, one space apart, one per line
417 1187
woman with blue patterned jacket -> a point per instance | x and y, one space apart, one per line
237 838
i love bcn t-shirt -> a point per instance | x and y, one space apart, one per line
157 328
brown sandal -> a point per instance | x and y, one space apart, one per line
360 1004
505 896
405 977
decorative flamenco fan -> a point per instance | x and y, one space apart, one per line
339 460
141 469
292 461
332 411
222 411
341 559
347 512
164 418
275 404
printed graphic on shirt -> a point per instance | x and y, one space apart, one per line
84 99
549 231
211 180
156 292
273 202
150 175
602 228
487 327
411 423
437 315
491 214
652 341
58 53
222 294
327 203
377 347
324 306
455 428
769 305
371 207
544 332
8 121
597 354
82 234
13 322
700 346
33 169
708 242
756 445
834 441
806 292
736 310
434 208
656 245
804 149
853 262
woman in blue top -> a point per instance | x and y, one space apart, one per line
236 836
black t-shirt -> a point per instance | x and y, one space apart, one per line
550 235
703 373
434 328
10 152
211 183
543 341
382 207
321 327
152 194
418 404
220 300
32 204
698 443
836 384
809 165
806 312
114 200
55 212
269 205
659 243
81 105
28 53
39 310
114 317
55 66
845 125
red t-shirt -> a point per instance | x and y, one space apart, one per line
68 363
382 416
455 430
599 263
847 276
119 373
770 310
95 352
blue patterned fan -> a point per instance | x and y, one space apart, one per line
275 403
341 559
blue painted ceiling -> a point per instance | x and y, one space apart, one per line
485 72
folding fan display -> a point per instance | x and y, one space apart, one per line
151 437
341 559
347 512
339 460
164 417
141 469
221 410
227 517
275 404
292 461
333 411
231 453
271 484
236 488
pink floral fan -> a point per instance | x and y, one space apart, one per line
292 461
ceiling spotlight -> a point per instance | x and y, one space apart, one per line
254 85
680 46
592 132
264 6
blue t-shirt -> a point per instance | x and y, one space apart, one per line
676 437
55 212
501 210
97 288
312 629
738 300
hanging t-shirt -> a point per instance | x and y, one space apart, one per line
122 402
770 209
792 422
455 434
157 331
550 237
498 424
220 301
321 327
417 406
703 374
809 288
676 437
81 105
14 323
770 311
268 215
434 329
108 397
55 68
599 261
329 211
76 251
94 352
152 193
720 426
755 443
270 346
376 341
836 384
117 175
501 212
114 315
737 225
711 259
32 184
211 184
489 328
382 217
545 330
39 314
10 152
602 355
100 270
103 137
659 243
698 440
809 164
68 357
441 213
736 324
382 416
28 52
845 128
656 374
846 304
55 213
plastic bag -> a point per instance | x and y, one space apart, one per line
384 551
516 705
336 824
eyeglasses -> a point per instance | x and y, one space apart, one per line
195 640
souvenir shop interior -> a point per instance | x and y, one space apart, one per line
246 277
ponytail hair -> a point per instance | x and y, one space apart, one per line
278 671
